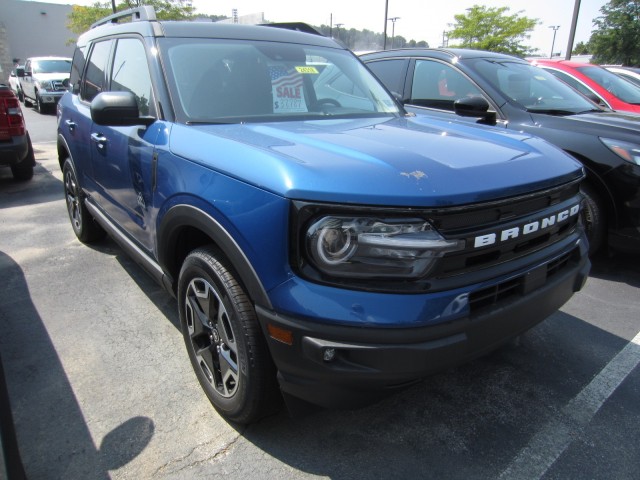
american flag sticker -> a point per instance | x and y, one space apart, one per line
288 91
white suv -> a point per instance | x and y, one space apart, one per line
44 81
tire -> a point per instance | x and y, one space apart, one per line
23 171
594 218
84 225
223 338
40 108
26 101
20 96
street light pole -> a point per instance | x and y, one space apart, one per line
386 11
393 28
553 43
338 25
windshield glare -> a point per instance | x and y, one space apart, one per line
52 66
217 80
617 86
532 87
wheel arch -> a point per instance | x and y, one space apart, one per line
595 180
184 228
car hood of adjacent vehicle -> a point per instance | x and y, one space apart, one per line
392 162
51 76
605 123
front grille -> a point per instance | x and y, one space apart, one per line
58 86
510 289
483 228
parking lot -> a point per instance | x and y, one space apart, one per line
101 385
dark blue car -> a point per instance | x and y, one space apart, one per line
324 246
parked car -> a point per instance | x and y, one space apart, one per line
510 93
15 145
14 82
330 250
44 81
631 74
596 82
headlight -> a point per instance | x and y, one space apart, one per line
627 150
45 84
369 247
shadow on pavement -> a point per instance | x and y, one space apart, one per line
48 419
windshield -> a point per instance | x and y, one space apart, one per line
619 87
532 87
51 66
227 81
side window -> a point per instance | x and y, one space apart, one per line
390 72
93 82
130 73
77 66
27 66
438 85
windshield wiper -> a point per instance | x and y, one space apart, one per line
551 111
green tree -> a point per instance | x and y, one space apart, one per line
616 38
492 29
582 48
81 18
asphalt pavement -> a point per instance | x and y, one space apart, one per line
101 387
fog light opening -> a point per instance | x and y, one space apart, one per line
329 354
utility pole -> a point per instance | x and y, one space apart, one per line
113 5
555 29
572 33
386 12
393 28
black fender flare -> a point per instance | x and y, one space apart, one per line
168 235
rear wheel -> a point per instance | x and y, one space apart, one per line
84 226
594 217
24 170
224 341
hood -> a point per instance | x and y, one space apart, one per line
387 162
51 76
601 122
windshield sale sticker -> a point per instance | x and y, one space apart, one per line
287 89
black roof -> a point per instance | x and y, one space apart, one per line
187 29
443 53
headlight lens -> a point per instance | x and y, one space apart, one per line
627 150
368 247
45 85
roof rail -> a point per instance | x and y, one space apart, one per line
137 14
297 26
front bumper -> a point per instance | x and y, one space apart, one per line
369 363
50 97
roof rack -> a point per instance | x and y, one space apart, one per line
137 14
297 26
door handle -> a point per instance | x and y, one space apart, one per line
99 139
71 125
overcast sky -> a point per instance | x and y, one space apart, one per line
419 19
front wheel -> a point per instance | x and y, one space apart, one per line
594 217
84 226
224 341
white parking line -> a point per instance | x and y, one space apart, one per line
554 438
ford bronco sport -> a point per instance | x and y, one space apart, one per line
323 245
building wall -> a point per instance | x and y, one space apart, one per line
32 29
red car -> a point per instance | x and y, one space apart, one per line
596 82
16 150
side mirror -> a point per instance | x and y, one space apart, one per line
475 107
20 72
117 109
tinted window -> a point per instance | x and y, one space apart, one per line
94 79
130 73
439 85
568 79
391 72
625 91
77 66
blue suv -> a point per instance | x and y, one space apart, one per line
323 245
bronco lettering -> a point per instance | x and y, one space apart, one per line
515 232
